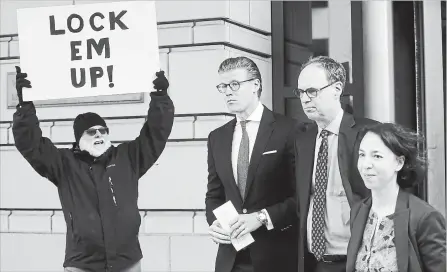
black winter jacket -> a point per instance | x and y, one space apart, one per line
98 196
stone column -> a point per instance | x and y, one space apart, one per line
378 60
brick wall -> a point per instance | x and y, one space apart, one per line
191 69
170 241
160 187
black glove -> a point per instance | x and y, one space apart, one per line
21 82
161 82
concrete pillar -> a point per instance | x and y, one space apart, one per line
434 104
340 34
378 60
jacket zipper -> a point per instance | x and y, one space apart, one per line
72 225
113 192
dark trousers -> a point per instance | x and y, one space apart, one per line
312 265
243 262
331 267
133 268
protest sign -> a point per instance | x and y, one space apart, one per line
88 50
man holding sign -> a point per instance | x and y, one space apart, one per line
97 182
251 166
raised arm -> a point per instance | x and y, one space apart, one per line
39 151
148 146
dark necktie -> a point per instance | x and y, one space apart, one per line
243 160
319 203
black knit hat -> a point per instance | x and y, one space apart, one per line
85 121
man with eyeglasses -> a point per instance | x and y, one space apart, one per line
96 181
327 180
250 163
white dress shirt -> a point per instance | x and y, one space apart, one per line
252 131
336 230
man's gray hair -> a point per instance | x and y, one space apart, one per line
244 63
334 70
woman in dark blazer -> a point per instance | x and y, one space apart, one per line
392 230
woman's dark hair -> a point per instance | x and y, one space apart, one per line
402 142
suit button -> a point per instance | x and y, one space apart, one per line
244 210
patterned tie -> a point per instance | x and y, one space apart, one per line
243 160
319 204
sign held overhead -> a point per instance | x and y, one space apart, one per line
88 50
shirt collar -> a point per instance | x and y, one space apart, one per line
256 115
334 126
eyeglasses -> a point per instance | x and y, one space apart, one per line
234 85
310 92
92 131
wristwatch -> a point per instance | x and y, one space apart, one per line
262 217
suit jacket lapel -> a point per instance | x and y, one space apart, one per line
225 149
265 130
306 154
346 141
357 230
401 218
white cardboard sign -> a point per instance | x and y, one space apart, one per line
88 50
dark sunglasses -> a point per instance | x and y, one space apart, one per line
92 131
311 92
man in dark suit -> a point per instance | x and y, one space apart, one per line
250 163
327 179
